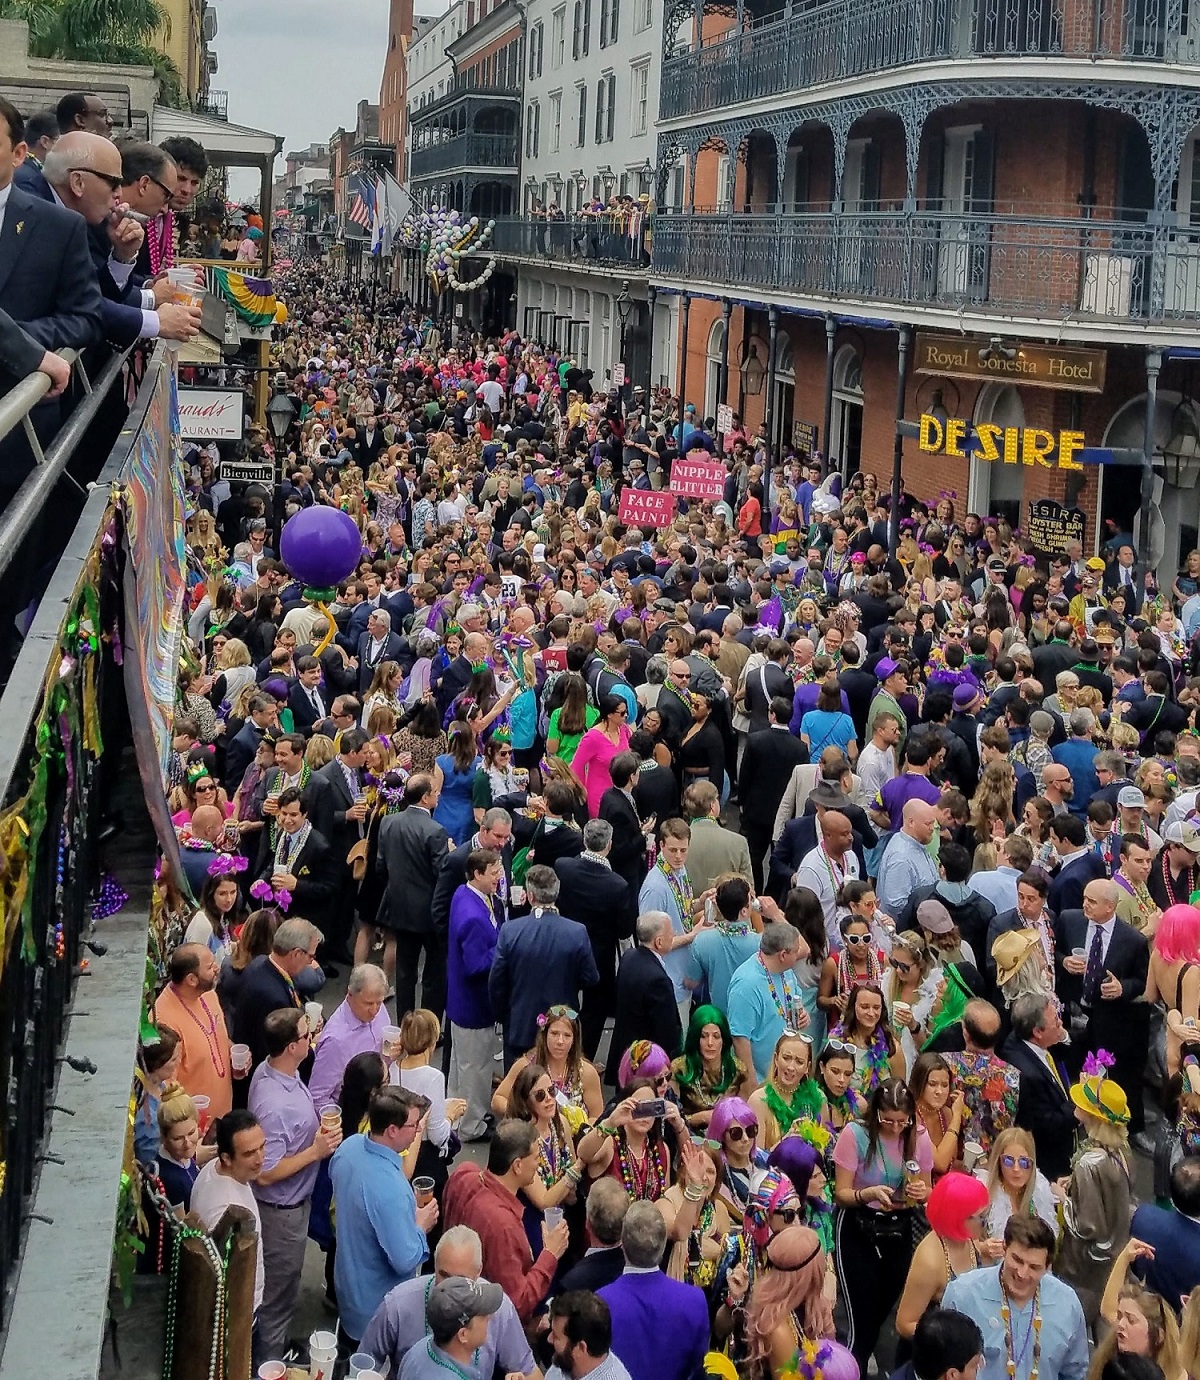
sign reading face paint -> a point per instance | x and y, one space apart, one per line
646 507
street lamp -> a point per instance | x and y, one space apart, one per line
752 371
624 307
280 412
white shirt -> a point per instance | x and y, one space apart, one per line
822 875
876 767
212 1193
492 394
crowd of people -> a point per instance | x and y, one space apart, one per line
802 934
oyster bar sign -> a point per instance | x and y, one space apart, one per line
211 414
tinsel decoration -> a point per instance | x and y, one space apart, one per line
110 898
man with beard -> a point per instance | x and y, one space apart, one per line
581 1337
188 1006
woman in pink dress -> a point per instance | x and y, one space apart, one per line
597 748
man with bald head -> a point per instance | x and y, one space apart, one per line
907 862
827 867
190 1007
457 676
85 174
1102 964
202 837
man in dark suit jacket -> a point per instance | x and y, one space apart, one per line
1079 864
306 699
457 676
607 1203
646 1005
1101 965
377 645
301 859
542 960
494 832
243 746
627 853
1044 1106
1174 1270
601 900
763 776
339 816
412 850
767 682
266 986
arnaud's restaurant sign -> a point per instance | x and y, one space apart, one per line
1035 366
1010 445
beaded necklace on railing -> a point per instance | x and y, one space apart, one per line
218 1359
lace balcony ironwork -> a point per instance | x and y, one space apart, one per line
814 45
582 240
498 151
1116 271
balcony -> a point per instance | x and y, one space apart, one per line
498 151
841 39
463 86
215 105
1106 271
581 241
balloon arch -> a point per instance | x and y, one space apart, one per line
448 239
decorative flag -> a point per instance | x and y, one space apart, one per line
362 205
252 299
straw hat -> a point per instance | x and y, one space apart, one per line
1101 1097
1010 951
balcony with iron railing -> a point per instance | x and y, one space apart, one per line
215 105
500 152
813 46
466 85
584 241
1114 268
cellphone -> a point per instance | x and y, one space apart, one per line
654 1106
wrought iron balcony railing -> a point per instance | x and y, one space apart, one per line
584 240
1113 270
458 88
215 105
820 43
498 151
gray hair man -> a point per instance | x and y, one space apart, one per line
269 982
607 1204
356 1027
399 1322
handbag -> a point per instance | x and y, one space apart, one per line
356 860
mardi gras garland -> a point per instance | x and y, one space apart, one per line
448 238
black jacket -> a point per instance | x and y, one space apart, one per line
767 765
646 1007
1044 1108
599 898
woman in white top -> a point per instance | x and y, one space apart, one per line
1015 1184
420 1031
909 982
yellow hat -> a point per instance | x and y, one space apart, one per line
1101 1097
1095 563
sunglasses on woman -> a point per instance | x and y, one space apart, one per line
900 966
857 938
1016 1161
542 1095
737 1132
789 1216
841 1047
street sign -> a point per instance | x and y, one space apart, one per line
248 471
724 419
618 376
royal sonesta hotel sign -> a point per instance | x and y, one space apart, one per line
1035 366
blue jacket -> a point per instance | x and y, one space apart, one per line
1175 1270
474 934
542 960
639 1303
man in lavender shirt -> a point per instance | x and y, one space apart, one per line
356 1027
295 1144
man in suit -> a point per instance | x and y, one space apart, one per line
1044 1106
542 960
1122 575
339 813
243 746
413 849
41 134
1102 964
305 699
1078 864
601 900
646 1005
627 851
607 1204
768 682
377 645
457 676
713 849
1029 913
83 172
473 933
301 862
494 832
643 1298
766 769
1173 1271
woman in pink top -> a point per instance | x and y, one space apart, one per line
597 748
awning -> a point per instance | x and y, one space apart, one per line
226 141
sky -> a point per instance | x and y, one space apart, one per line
298 68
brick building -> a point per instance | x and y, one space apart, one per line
837 181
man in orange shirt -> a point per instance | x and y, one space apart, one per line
187 1004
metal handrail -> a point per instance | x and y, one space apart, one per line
37 486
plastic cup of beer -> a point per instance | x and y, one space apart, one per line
901 1008
316 1014
201 1104
391 1041
331 1116
186 285
423 1188
239 1058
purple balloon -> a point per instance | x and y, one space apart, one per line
320 546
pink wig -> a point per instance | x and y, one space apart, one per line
1177 938
793 1284
955 1197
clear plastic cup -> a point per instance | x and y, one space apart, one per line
202 1105
239 1058
316 1014
390 1041
331 1117
187 285
423 1189
552 1216
361 1363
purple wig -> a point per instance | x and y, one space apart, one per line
797 1159
643 1060
728 1111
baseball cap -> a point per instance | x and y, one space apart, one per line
884 668
1183 834
1042 723
664 606
539 553
1131 798
934 917
455 1301
996 563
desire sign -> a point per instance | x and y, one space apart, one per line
646 507
1012 445
211 414
697 475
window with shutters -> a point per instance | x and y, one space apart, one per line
639 112
581 132
532 129
580 33
558 30
609 20
555 129
537 37
606 97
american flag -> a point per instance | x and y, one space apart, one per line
362 208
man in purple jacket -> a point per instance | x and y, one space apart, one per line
474 930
